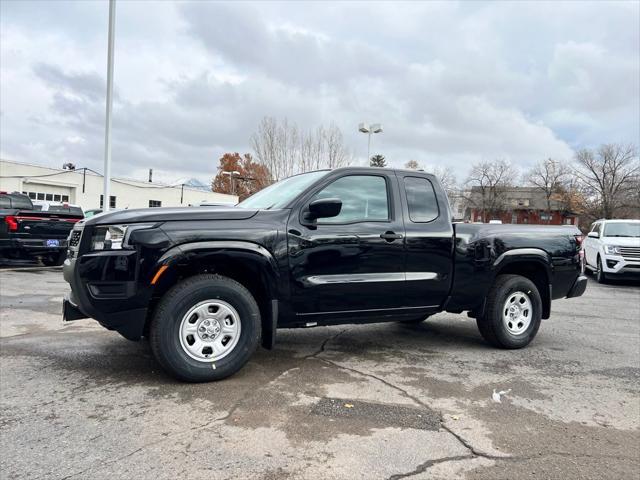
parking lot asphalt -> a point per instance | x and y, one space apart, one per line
383 401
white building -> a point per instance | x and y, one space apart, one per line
83 187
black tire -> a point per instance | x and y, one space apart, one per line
491 325
174 305
600 275
54 260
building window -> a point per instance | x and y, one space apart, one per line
56 198
65 198
545 217
48 197
112 201
155 203
40 196
32 195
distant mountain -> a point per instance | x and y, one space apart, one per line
192 183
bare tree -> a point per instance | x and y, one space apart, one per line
285 150
549 176
447 179
610 174
265 146
444 174
336 153
412 165
489 179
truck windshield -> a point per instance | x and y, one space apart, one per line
282 192
622 229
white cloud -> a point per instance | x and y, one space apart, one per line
453 83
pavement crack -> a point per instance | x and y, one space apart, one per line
465 443
423 467
323 345
379 379
179 433
406 394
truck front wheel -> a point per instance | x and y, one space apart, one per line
512 314
205 328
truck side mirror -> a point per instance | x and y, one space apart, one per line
323 208
593 235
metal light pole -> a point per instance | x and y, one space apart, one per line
369 129
107 133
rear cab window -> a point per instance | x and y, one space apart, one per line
421 199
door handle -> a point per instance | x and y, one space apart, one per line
390 236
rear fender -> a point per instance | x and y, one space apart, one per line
528 262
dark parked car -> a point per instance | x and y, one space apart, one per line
351 245
30 230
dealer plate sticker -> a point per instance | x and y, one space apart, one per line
53 243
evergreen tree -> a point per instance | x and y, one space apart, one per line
378 161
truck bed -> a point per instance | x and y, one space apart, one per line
480 250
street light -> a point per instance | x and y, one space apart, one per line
369 129
232 176
107 128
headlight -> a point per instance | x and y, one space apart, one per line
114 237
611 249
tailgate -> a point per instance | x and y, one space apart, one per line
41 225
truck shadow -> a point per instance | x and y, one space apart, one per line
98 359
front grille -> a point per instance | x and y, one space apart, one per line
630 252
74 240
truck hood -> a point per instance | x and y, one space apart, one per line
167 214
621 241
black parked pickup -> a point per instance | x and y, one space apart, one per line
41 230
351 245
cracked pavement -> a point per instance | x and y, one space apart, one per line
78 401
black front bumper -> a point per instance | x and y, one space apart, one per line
578 288
123 314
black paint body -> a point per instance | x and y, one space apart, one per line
304 275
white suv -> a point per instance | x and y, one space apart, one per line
612 248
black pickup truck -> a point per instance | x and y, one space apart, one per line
351 245
41 230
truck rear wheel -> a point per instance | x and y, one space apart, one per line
512 314
205 328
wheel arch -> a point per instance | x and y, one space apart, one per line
249 264
532 263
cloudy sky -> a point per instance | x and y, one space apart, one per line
452 83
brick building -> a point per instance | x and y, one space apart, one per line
518 205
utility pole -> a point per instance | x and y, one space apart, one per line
232 175
107 133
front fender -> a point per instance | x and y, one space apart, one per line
204 253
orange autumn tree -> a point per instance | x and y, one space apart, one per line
251 177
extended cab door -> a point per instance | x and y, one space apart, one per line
429 240
351 264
